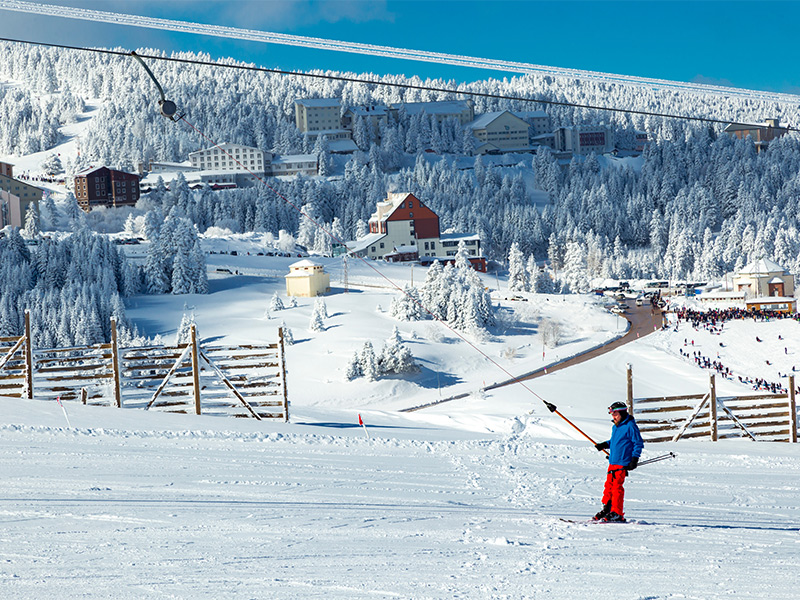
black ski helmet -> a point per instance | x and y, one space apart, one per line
620 406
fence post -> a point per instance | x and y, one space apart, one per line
712 407
629 400
84 395
195 371
792 412
115 364
283 375
28 357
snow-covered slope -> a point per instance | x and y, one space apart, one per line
149 505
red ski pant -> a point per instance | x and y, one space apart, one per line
613 491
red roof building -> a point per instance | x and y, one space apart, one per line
403 229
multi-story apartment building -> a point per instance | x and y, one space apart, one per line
19 196
294 164
102 186
584 139
761 135
231 157
500 132
317 114
10 210
540 121
320 116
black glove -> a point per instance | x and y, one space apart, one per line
633 464
601 446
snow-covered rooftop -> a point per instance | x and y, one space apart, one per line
762 266
369 111
319 102
294 158
342 146
361 244
485 119
304 264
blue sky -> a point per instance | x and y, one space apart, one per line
743 44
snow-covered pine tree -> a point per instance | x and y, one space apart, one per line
155 273
517 276
369 362
129 228
353 369
152 225
48 213
532 273
31 229
321 307
184 334
395 357
316 323
406 305
275 303
288 337
182 270
51 165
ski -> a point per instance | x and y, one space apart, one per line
592 521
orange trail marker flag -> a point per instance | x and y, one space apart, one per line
361 422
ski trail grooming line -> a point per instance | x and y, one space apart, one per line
182 117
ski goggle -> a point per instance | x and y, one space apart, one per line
612 410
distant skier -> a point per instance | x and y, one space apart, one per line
625 447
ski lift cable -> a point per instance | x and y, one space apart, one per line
420 87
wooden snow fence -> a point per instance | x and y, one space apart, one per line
238 381
16 364
759 417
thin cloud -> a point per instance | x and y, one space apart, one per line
290 14
250 14
702 79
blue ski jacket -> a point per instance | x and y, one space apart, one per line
625 443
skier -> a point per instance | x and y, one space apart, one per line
625 447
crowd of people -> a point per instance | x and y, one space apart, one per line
713 321
705 318
41 178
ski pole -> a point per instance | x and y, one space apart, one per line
650 460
